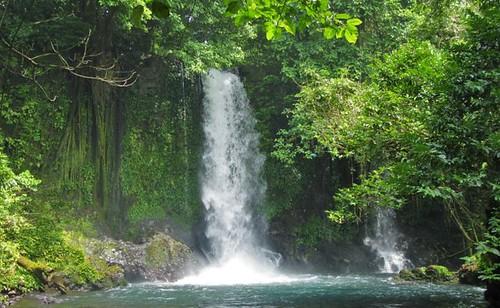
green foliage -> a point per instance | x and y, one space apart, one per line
294 16
23 114
31 230
323 107
487 254
316 230
13 200
423 125
198 49
159 164
284 187
378 189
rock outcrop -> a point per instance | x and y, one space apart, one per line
161 257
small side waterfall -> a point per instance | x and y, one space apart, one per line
384 240
231 185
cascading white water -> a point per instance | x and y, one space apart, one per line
231 185
232 164
385 242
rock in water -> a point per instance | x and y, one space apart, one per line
160 258
431 273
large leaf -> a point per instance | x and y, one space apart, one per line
354 22
350 35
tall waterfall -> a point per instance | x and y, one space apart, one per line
384 240
231 185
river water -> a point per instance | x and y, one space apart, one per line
299 291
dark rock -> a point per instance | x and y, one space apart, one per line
492 294
468 274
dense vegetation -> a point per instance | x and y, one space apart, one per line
360 105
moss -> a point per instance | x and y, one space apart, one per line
93 270
163 250
431 273
440 273
110 275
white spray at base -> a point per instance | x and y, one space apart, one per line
231 185
385 242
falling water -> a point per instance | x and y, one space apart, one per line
385 242
231 186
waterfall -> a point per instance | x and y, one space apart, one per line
231 185
385 241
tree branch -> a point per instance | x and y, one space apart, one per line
80 63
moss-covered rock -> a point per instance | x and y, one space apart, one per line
162 250
160 258
431 273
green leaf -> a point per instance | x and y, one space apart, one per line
340 33
342 16
270 34
350 36
328 33
323 4
160 9
289 27
241 19
270 30
137 15
354 22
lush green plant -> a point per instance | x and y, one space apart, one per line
31 230
487 254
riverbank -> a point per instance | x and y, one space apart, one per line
112 263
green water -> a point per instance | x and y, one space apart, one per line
308 291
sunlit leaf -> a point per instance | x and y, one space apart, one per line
354 22
350 36
342 16
328 33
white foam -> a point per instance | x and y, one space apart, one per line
238 270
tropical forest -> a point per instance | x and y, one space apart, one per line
249 153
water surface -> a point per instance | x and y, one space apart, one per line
300 291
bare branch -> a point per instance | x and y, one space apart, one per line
32 79
79 63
